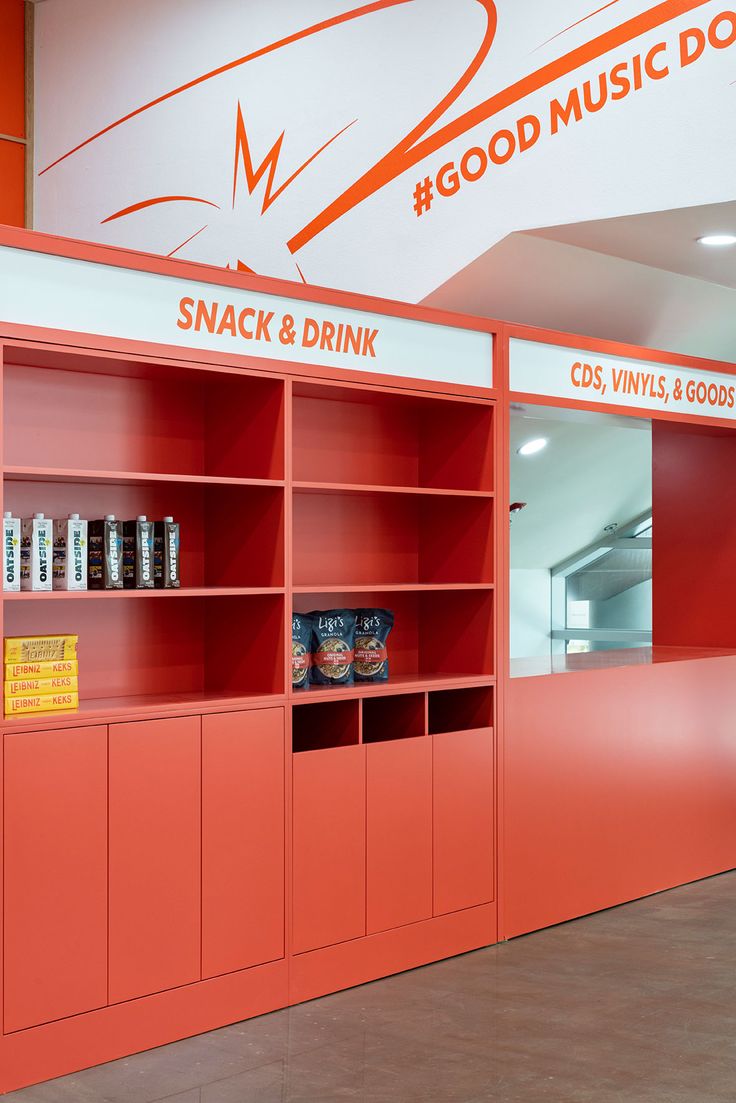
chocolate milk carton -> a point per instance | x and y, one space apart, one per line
36 553
11 552
105 554
70 553
166 554
138 554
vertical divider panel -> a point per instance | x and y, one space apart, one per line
288 444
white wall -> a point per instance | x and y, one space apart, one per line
137 133
530 614
630 609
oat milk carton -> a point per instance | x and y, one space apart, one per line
11 552
70 553
36 553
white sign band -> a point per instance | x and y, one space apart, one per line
40 289
554 371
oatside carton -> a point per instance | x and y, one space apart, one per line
138 554
166 554
105 554
35 553
70 553
11 552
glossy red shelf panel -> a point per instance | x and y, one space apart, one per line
121 595
399 683
140 707
17 473
383 488
394 588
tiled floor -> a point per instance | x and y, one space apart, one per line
634 1005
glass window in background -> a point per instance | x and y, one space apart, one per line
581 532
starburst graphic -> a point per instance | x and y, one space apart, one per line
248 179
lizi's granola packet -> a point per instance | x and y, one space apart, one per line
372 628
301 649
333 640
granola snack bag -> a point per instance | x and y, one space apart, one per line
333 640
372 628
301 649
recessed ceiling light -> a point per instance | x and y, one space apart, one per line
717 239
532 446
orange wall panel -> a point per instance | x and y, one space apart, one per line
12 68
242 839
694 507
12 183
55 886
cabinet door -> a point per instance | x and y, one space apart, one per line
55 883
242 839
463 819
399 833
329 847
155 869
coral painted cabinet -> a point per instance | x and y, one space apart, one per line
155 836
55 877
329 847
463 819
399 826
242 839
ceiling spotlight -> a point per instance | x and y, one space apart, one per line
532 446
717 239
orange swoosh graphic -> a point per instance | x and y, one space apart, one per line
400 159
152 203
315 28
577 23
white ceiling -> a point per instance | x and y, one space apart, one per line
660 239
596 470
640 279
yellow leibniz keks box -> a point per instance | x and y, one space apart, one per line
52 668
21 687
41 702
40 648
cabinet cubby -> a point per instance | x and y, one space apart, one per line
436 633
386 719
454 710
72 411
204 647
366 436
323 724
231 536
371 538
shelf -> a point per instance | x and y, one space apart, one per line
119 709
372 436
15 473
360 488
183 591
394 588
399 683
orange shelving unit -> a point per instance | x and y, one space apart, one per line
197 843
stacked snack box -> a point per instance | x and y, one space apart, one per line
41 674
